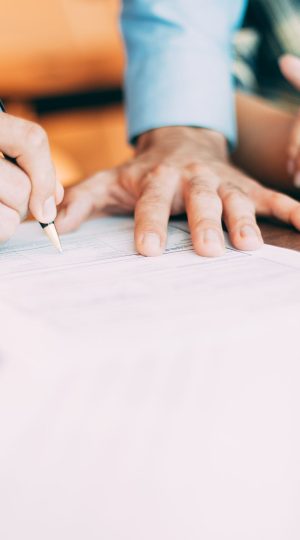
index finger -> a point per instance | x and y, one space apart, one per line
27 142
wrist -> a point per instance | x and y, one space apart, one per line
213 141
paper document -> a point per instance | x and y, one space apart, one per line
147 398
99 287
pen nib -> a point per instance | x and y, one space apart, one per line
51 232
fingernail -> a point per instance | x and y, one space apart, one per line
211 244
251 237
211 236
297 180
49 210
290 166
59 191
151 243
248 232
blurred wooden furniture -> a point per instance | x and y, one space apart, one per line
95 139
82 141
278 234
56 46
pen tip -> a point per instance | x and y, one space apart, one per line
51 232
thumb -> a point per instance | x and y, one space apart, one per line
290 68
86 199
76 207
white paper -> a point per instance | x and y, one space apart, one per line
147 398
99 286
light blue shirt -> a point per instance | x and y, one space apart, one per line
179 63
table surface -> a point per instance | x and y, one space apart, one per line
278 234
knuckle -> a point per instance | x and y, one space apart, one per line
35 134
196 169
201 188
230 197
201 171
125 175
254 189
150 187
152 198
158 177
234 197
197 185
158 169
161 169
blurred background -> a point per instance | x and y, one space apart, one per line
62 65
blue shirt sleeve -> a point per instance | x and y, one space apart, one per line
179 63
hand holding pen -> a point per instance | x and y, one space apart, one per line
27 177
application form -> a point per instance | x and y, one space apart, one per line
100 288
147 398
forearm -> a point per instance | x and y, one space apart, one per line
263 135
179 64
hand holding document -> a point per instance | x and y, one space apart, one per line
147 398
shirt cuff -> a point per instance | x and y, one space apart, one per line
186 89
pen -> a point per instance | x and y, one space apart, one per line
49 228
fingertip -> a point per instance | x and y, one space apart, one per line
209 243
247 238
149 244
205 250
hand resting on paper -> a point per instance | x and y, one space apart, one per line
178 169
